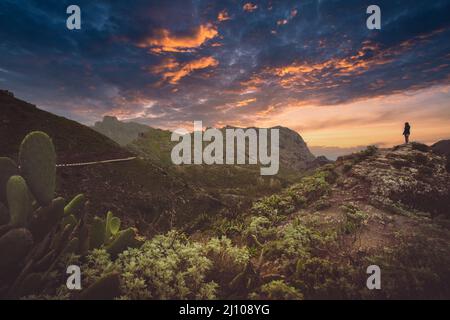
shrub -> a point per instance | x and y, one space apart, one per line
293 242
315 186
171 267
354 218
227 260
369 151
321 204
166 267
363 154
321 278
279 290
417 268
259 229
274 205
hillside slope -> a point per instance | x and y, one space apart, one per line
315 239
73 141
138 191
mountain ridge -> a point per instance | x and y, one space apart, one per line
294 152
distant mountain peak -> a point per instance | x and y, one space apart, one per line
110 119
294 152
122 132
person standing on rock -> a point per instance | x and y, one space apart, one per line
407 132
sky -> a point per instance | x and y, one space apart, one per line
309 65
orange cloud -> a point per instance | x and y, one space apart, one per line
167 64
303 73
250 7
254 84
223 16
173 72
244 103
165 41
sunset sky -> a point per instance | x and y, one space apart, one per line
310 65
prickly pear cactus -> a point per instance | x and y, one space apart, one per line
124 240
112 226
37 231
14 246
8 168
19 201
37 161
97 233
75 206
44 219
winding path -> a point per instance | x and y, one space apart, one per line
94 162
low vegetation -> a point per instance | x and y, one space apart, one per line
313 239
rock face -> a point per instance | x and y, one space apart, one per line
409 176
121 132
294 152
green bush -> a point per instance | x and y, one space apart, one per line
260 229
354 218
172 267
320 278
279 290
293 241
416 268
274 205
166 267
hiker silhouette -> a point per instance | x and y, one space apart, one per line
407 132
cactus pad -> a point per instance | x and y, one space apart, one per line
37 161
8 168
19 201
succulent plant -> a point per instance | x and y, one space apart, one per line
19 201
75 206
14 246
44 219
38 230
112 225
8 168
122 241
37 162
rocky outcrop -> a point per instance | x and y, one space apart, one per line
294 152
121 132
408 176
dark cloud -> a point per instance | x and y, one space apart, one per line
277 54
